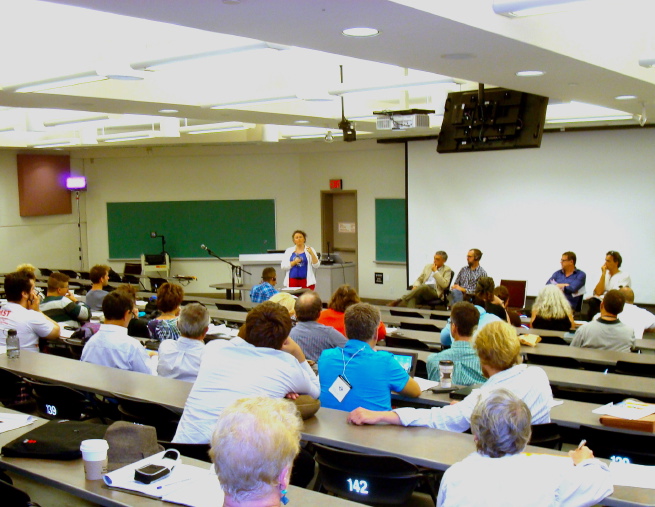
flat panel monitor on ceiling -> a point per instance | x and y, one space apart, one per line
494 119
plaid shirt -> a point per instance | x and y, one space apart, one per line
468 278
262 292
467 364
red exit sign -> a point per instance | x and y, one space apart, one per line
335 184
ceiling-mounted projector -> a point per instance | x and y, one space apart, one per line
403 120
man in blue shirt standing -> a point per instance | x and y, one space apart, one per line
570 280
266 289
357 375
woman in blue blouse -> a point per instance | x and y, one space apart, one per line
299 262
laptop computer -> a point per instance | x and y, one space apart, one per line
407 360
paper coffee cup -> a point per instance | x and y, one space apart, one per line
446 373
94 454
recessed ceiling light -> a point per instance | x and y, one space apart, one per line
360 32
625 97
530 73
458 56
300 122
168 111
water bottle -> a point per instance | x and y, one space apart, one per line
13 345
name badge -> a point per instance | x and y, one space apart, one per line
340 388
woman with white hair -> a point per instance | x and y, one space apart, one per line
253 447
498 474
552 310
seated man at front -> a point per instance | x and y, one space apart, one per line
467 370
430 284
62 306
611 278
608 332
570 280
313 337
357 375
499 350
180 358
99 276
111 345
464 286
21 312
263 291
266 363
499 474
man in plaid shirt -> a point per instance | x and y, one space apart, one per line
266 289
467 278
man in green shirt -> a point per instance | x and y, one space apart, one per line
463 321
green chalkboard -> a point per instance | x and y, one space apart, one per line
229 228
390 230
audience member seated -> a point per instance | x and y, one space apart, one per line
464 318
180 358
611 278
30 271
499 475
99 276
638 319
430 284
570 280
333 316
253 450
62 306
263 291
21 312
485 297
266 363
467 278
138 327
169 301
111 345
608 332
311 336
551 310
286 300
499 351
485 318
502 293
357 375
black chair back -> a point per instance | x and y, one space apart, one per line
151 414
618 446
416 326
546 435
14 497
405 343
59 402
231 308
406 313
366 478
553 340
562 362
638 369
195 451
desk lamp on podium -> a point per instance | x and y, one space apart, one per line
160 262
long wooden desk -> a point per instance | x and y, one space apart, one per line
69 476
423 446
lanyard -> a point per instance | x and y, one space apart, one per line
346 363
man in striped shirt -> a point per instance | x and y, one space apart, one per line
467 278
467 370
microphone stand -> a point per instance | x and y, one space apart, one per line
234 268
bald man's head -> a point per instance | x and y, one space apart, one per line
629 295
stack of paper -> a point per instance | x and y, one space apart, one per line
9 421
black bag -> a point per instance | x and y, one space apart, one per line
54 440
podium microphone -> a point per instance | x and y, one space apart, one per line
203 247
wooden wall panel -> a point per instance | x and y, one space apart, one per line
42 185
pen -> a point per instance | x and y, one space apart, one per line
582 443
173 483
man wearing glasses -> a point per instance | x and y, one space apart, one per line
21 312
265 290
570 280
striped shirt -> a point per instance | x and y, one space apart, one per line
468 278
64 311
529 384
313 338
467 369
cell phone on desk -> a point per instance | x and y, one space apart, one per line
439 389
150 473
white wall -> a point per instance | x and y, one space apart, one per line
41 241
588 192
293 176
